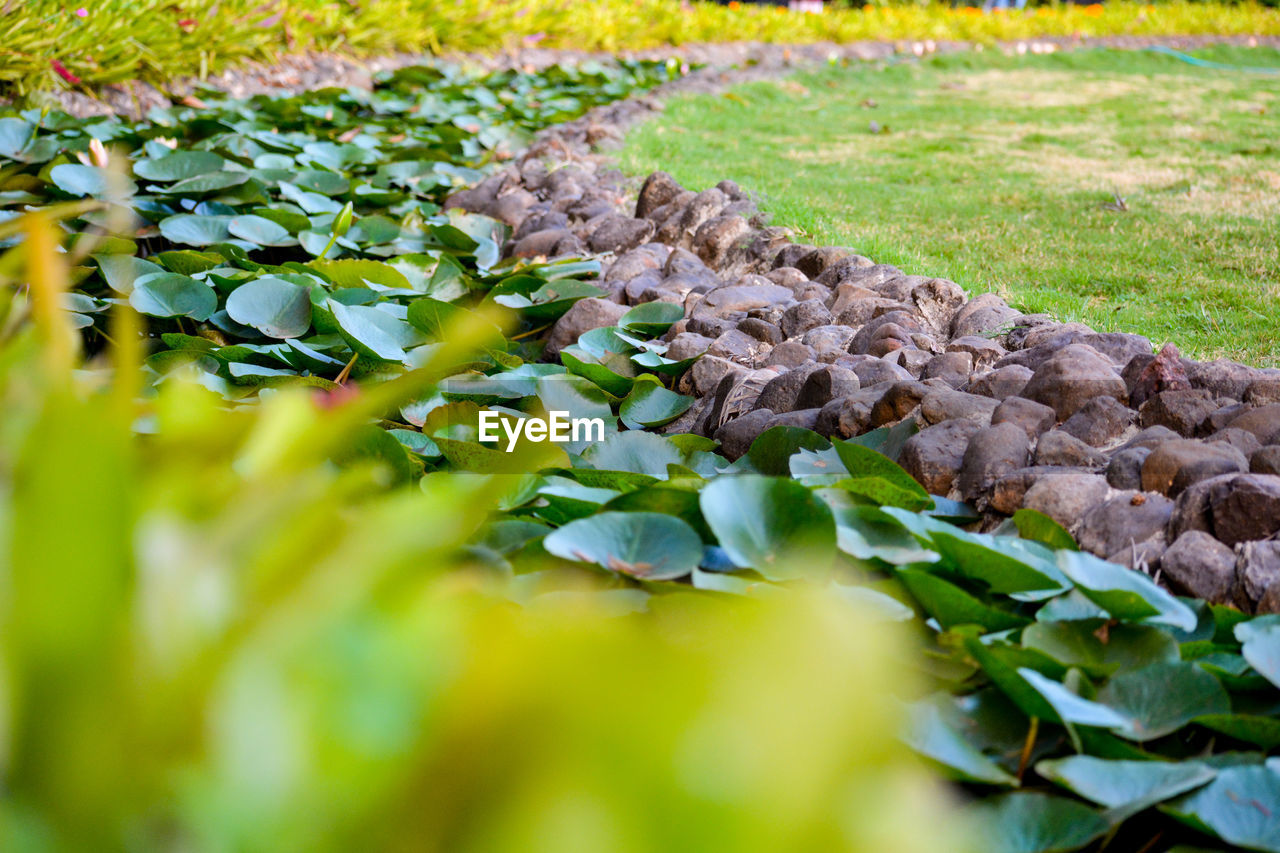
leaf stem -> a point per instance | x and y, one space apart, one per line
1027 746
346 371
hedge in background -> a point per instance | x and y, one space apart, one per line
46 44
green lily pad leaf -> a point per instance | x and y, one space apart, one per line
258 230
325 183
887 441
1102 650
273 306
641 452
1263 732
179 166
1125 787
208 183
356 273
772 450
168 294
196 230
1162 698
372 445
1039 527
15 135
1025 822
866 533
616 375
188 261
1240 806
647 545
583 401
79 180
986 559
371 332
895 487
604 340
121 271
681 503
652 318
1124 593
651 405
773 525
1260 638
951 605
929 733
1071 708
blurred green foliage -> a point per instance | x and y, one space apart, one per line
214 638
49 44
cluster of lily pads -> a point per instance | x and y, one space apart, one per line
300 240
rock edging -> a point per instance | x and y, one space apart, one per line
1151 460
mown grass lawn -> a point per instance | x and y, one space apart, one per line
1129 190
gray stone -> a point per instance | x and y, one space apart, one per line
829 342
1263 422
659 189
1233 508
736 435
803 316
845 417
781 393
1124 471
706 373
1009 491
790 354
934 455
760 330
1100 422
737 346
1222 378
1071 378
824 385
1032 417
687 345
1002 383
898 401
550 243
617 233
993 452
985 313
1150 437
1055 447
1196 564
1241 440
1066 498
583 316
953 368
727 300
819 260
1257 569
1123 520
1180 411
938 406
1265 460
983 351
715 238
875 371
1175 465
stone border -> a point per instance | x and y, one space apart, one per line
1164 464
297 73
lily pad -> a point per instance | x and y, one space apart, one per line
773 525
273 306
646 545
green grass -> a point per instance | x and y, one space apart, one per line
993 171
